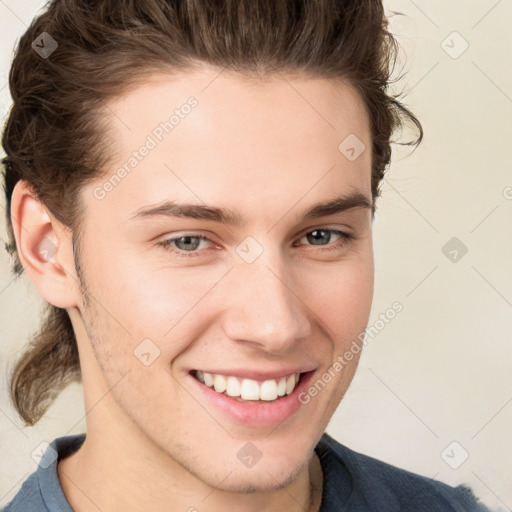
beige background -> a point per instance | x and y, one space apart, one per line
440 371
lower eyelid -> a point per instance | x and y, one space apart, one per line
169 241
167 244
342 234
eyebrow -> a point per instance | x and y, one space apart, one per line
232 218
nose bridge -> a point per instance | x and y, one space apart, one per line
265 307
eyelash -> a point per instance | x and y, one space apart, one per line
334 246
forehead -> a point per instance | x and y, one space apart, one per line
229 100
212 136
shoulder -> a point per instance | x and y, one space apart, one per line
28 496
377 485
42 491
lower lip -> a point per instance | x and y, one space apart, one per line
260 414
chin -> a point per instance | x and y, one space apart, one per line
258 483
262 477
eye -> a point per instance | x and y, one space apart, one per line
188 245
318 236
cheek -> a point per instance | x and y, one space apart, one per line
341 294
151 302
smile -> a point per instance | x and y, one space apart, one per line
249 389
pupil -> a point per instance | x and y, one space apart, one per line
188 245
314 236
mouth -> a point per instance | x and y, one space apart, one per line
252 399
250 390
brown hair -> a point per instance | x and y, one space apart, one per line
53 136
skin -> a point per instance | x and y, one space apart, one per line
268 151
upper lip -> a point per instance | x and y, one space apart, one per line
243 373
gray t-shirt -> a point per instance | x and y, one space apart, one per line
353 482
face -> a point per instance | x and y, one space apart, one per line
241 289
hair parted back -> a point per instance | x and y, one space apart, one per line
53 135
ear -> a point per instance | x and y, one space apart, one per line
44 247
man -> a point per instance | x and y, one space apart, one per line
199 218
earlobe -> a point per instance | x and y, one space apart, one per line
44 248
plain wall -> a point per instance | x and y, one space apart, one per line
439 372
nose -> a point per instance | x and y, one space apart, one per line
267 307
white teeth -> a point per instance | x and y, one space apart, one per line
218 381
233 386
290 384
249 389
208 379
268 390
281 387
